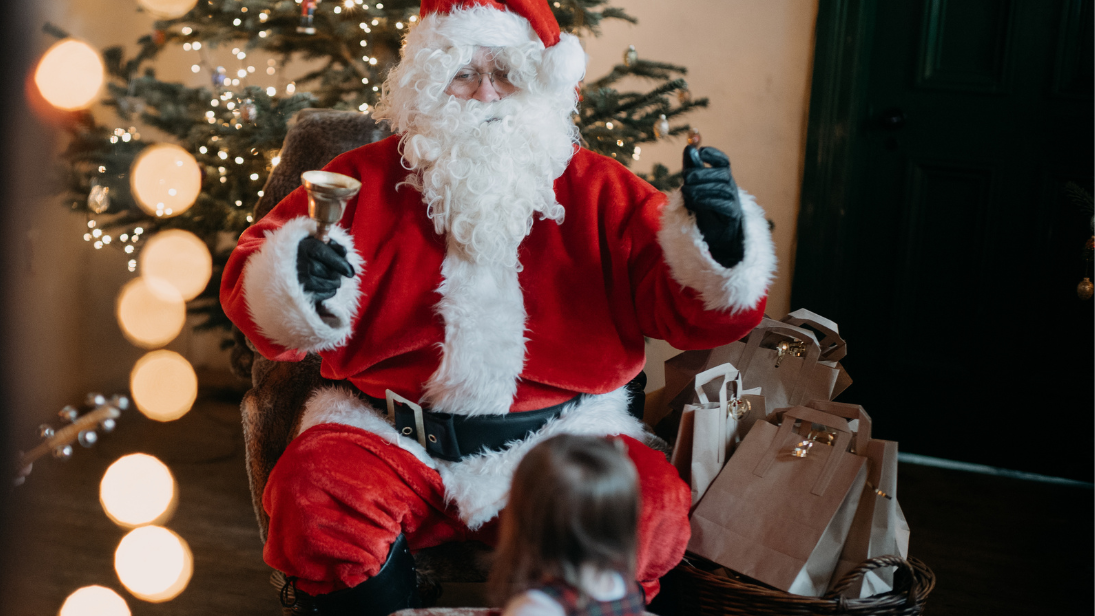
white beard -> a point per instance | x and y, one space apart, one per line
485 170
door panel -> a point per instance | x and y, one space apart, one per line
959 248
965 45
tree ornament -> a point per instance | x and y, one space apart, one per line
661 127
159 37
98 200
684 96
694 138
248 110
631 56
307 17
131 105
1085 289
87 438
219 77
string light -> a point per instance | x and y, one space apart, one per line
150 311
70 75
168 9
180 259
94 601
164 385
165 179
154 563
138 489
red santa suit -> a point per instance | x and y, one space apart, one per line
476 339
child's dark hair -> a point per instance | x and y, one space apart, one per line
574 501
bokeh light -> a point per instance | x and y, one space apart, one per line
94 601
168 9
137 489
164 385
165 179
70 75
180 258
150 311
153 563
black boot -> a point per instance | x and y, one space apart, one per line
392 589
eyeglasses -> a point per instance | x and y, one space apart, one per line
467 81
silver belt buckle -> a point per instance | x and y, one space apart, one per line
419 423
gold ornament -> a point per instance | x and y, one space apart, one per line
684 96
661 127
98 200
631 56
694 138
1085 289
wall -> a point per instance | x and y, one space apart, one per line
753 59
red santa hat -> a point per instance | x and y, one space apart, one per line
506 23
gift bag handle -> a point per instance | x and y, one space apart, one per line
843 437
834 348
725 371
808 365
848 411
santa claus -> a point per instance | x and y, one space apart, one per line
491 285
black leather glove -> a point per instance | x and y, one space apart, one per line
711 194
320 267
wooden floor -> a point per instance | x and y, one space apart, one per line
998 546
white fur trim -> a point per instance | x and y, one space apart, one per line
338 406
477 26
737 288
283 312
484 349
478 485
564 63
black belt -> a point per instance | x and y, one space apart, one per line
454 437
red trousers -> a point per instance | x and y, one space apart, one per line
339 496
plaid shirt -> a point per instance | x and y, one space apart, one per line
567 596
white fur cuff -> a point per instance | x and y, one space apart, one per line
736 288
283 312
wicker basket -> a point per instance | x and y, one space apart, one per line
705 590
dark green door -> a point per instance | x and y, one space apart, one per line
951 255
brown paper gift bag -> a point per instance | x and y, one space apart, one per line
781 508
710 430
879 527
802 372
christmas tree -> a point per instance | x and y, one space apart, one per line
234 129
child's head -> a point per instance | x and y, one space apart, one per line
574 501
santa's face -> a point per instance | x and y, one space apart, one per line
483 79
484 141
